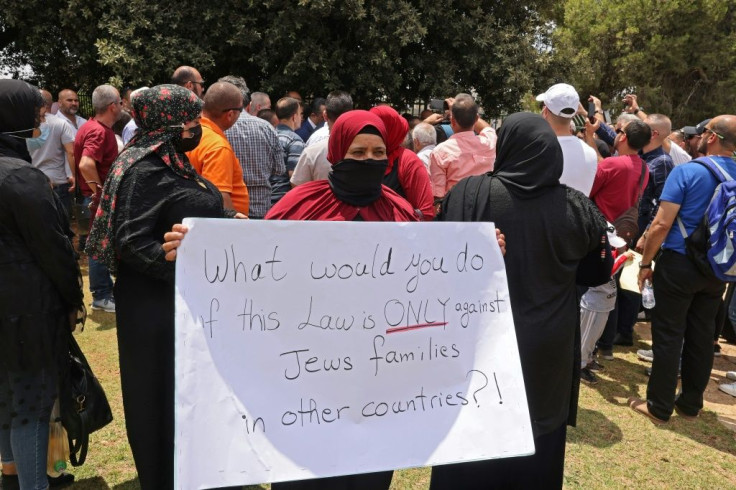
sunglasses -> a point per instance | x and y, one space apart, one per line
708 130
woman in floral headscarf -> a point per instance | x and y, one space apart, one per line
150 187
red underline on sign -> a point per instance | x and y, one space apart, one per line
415 327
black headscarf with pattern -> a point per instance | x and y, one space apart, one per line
159 112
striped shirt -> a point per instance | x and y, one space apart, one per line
257 147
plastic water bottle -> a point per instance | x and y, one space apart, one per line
647 295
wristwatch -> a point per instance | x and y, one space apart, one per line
645 266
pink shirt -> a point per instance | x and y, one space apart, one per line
463 155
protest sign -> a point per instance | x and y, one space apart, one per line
314 349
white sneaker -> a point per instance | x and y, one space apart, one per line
645 355
107 304
729 388
731 375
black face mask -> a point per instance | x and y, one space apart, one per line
184 145
357 182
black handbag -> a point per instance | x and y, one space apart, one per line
82 402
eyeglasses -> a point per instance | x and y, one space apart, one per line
117 102
182 128
620 131
239 109
198 83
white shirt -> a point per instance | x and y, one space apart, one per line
129 131
580 163
319 135
424 155
678 155
312 164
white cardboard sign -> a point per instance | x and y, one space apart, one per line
314 349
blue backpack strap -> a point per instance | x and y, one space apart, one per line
716 170
720 175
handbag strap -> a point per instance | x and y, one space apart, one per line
82 443
641 183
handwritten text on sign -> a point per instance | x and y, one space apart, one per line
310 349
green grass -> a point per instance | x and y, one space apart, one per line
612 447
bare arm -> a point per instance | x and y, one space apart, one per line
590 130
69 149
227 200
632 106
88 169
658 230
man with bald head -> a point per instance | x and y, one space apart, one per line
68 108
687 299
189 78
660 165
53 152
214 158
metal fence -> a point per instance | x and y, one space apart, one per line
85 105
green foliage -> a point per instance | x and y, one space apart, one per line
678 56
391 50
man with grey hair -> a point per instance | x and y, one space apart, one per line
256 145
95 148
464 153
258 101
424 137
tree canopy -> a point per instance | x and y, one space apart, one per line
678 56
392 50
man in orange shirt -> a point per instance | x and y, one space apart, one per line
214 158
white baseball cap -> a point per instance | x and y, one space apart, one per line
561 99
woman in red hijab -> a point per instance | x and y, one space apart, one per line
354 190
405 174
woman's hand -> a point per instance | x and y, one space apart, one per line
501 241
172 240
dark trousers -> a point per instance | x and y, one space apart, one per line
146 348
686 306
622 318
62 190
543 470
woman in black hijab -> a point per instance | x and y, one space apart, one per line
40 293
549 230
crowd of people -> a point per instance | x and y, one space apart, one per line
573 197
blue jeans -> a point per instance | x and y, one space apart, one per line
100 282
26 400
